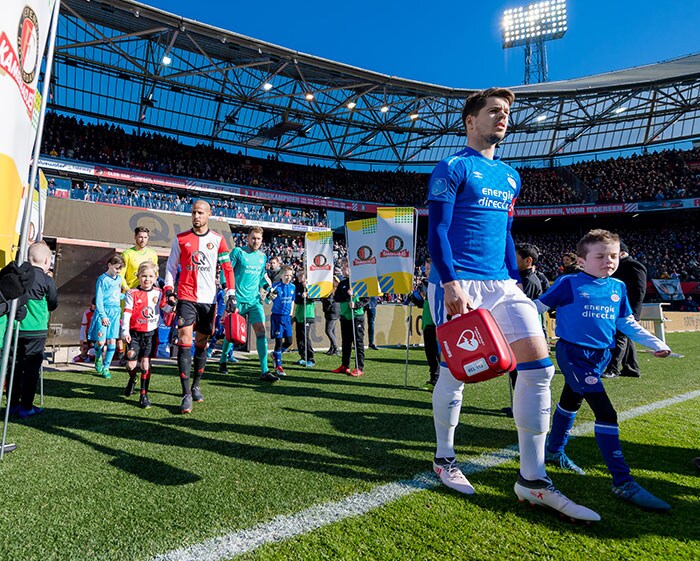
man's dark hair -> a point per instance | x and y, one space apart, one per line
526 250
476 101
140 229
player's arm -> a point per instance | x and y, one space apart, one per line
630 327
442 192
126 319
227 270
510 257
559 294
511 260
99 298
171 268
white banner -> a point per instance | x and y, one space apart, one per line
24 30
362 257
319 264
395 243
669 289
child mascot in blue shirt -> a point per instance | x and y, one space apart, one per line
590 306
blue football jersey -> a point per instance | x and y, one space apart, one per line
483 193
587 308
282 305
108 292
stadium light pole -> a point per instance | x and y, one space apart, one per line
530 27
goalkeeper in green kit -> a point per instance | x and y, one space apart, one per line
249 270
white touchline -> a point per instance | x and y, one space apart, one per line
282 528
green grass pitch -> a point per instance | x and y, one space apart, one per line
95 477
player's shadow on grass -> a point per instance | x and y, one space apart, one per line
149 469
310 388
347 456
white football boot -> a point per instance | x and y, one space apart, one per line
452 476
543 493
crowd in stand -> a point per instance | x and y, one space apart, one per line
655 176
666 252
158 200
662 175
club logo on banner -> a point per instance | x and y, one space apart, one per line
669 289
24 30
362 258
319 263
395 235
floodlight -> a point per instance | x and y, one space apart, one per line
267 86
539 21
384 109
620 110
309 96
413 115
166 60
541 118
351 105
529 27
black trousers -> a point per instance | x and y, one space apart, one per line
346 333
371 315
330 333
432 354
30 355
623 357
304 345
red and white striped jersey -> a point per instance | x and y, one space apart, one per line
142 309
197 256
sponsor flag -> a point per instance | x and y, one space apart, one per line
362 258
395 246
24 30
319 263
669 289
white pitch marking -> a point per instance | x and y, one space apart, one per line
282 528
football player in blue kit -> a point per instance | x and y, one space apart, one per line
283 293
471 198
591 306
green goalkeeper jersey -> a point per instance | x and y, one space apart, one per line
249 270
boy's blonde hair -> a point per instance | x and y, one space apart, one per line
147 266
39 254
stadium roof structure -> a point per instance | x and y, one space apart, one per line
125 62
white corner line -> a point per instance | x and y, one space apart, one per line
285 527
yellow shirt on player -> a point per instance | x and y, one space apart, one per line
132 259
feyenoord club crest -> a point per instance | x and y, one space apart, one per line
210 246
28 44
394 247
320 263
365 255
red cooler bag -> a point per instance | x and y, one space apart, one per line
235 328
474 347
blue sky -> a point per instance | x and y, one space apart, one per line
457 43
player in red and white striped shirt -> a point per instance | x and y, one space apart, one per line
196 252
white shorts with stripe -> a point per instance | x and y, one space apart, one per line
515 313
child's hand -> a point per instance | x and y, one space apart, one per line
127 338
105 322
662 354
